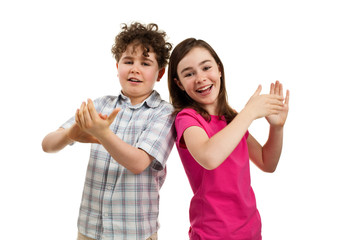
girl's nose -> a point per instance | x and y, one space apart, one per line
200 78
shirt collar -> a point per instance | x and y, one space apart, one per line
152 101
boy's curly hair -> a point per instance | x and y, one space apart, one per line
148 36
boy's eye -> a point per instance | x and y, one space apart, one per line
146 64
128 62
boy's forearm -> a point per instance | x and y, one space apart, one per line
271 151
132 158
55 141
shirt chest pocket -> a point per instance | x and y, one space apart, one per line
129 126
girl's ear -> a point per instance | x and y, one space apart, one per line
179 84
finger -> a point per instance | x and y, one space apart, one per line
277 107
277 87
87 117
91 109
287 97
281 90
272 88
77 117
276 101
113 115
275 97
103 117
81 115
258 91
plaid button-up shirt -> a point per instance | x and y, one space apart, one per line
116 203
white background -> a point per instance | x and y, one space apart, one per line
55 54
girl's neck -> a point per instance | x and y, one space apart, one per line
211 109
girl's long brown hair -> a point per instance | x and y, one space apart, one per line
179 98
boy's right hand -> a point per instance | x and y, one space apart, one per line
263 105
95 124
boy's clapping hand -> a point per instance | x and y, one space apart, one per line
93 123
75 133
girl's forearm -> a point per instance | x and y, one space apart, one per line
228 138
211 152
271 150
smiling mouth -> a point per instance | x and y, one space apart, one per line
205 89
134 80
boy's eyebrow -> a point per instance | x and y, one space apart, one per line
201 63
131 58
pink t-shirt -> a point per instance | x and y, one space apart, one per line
223 205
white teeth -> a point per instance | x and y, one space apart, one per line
134 80
204 88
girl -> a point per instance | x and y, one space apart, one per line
215 146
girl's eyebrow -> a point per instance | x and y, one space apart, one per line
201 63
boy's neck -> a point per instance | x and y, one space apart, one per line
137 100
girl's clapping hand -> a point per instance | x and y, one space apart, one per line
279 118
265 105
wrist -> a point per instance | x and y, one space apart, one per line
248 114
68 139
103 135
276 128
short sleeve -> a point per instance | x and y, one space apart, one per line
158 137
68 123
185 119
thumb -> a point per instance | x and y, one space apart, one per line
112 115
103 117
258 91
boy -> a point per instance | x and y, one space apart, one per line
132 138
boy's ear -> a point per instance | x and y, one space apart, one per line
161 73
179 84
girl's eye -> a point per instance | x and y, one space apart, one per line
207 68
188 74
145 64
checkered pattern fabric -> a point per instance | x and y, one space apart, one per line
116 203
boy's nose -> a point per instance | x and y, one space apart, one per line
134 69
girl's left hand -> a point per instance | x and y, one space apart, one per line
280 118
